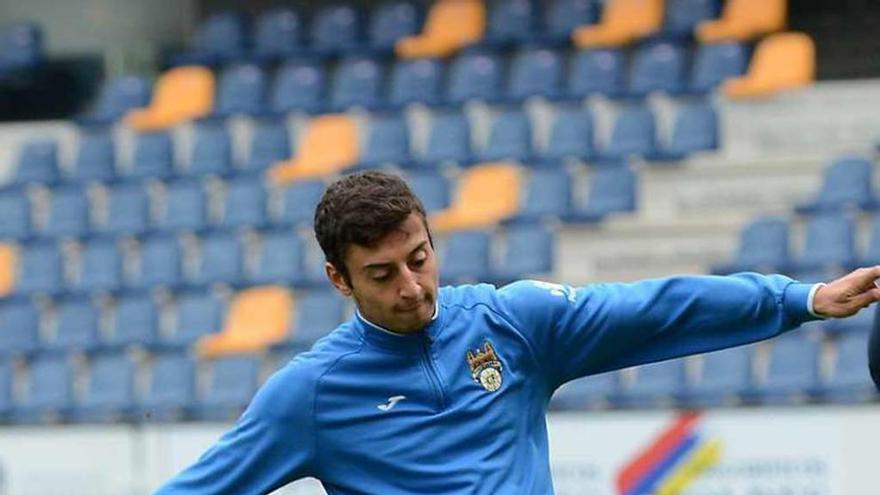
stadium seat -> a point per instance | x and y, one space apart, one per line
21 47
475 75
510 22
95 157
724 375
258 317
37 162
280 259
585 393
416 81
181 94
6 380
270 143
128 209
299 200
211 152
278 34
830 243
847 184
431 187
328 145
219 39
76 326
547 195
100 266
231 383
611 190
528 252
850 380
695 130
160 262
466 256
596 71
195 314
715 63
110 390
571 136
220 260
185 206
449 140
634 134
657 67
387 142
536 72
763 247
245 203
15 214
116 98
19 326
780 62
299 87
171 388
485 195
655 384
744 20
336 28
241 91
316 313
510 138
450 26
48 391
39 269
683 16
859 322
357 82
8 268
134 321
153 156
792 373
562 17
391 21
68 212
622 22
871 255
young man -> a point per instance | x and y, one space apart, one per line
444 391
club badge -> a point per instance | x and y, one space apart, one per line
485 367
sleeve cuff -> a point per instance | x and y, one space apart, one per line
797 301
811 296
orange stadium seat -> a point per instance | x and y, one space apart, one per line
258 318
451 25
623 22
486 194
181 94
8 261
781 61
743 20
329 144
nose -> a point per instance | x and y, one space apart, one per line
409 287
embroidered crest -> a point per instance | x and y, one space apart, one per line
485 367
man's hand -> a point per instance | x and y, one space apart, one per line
848 294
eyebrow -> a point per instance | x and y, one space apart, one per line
373 266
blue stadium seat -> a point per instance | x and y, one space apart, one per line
510 138
336 28
196 313
850 380
859 322
270 143
160 262
585 393
611 190
449 140
15 214
683 16
241 90
571 136
871 255
221 259
134 322
116 98
634 133
211 152
48 391
432 188
280 259
847 183
185 206
357 82
416 81
466 257
657 67
792 372
76 329
716 62
723 377
95 158
19 326
299 200
153 155
40 269
763 247
278 33
655 385
37 162
511 22
387 142
598 71
231 383
128 209
562 17
219 39
536 72
172 387
547 195
21 47
245 203
110 392
475 75
6 379
316 314
68 212
830 243
528 252
100 266
299 87
695 130
391 21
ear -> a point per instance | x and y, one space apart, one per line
337 279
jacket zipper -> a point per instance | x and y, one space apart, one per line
433 375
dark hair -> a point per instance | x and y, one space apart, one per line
361 209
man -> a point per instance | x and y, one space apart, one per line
444 391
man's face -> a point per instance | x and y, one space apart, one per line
395 282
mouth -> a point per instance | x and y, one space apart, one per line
411 308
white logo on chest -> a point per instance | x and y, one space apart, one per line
392 401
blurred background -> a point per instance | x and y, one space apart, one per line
160 162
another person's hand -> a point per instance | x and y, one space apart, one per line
848 294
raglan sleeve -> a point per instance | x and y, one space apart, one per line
271 444
575 332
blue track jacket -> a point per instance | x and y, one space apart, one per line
459 408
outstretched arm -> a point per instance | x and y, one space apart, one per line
848 294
